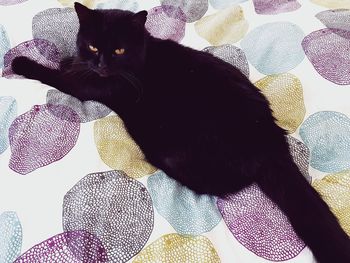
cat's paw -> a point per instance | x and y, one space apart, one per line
23 66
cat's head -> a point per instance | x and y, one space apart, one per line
110 41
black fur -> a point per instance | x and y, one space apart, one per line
196 117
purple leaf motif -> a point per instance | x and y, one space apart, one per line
191 10
259 225
43 135
40 50
337 19
301 156
11 2
160 25
273 7
73 247
114 207
87 110
59 26
328 51
231 54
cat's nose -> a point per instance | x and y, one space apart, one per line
103 72
101 65
102 62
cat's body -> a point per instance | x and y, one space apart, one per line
197 118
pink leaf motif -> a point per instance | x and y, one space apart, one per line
114 207
275 7
73 247
328 51
192 10
11 2
87 110
160 25
259 225
43 135
39 50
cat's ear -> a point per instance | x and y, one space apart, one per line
140 18
83 12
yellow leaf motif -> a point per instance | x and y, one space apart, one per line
118 150
285 94
224 27
177 248
335 190
334 4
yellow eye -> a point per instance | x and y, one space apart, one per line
120 51
93 49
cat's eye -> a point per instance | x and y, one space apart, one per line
93 49
119 51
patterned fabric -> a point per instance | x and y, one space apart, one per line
179 248
87 110
275 7
40 50
10 238
187 212
4 44
231 54
334 189
259 225
115 208
327 49
327 134
74 247
285 93
277 41
82 168
163 26
11 2
226 26
301 156
48 25
192 10
118 150
8 112
31 150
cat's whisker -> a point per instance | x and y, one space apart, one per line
82 74
86 74
70 73
79 63
75 64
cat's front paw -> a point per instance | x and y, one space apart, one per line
23 66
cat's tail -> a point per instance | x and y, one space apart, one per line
309 215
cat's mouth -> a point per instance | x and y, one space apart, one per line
103 73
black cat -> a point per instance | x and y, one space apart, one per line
197 118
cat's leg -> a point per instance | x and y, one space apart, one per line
54 78
32 70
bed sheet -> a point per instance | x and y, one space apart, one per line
74 187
